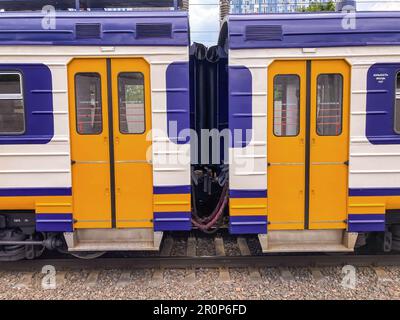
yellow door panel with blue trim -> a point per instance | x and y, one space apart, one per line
110 121
329 147
286 144
88 95
308 142
132 124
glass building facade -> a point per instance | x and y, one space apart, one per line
268 6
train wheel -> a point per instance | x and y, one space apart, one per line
87 255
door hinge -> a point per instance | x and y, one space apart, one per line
73 162
347 163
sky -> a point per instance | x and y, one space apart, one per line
204 21
204 17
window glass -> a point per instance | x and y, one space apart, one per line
397 106
286 105
12 114
329 104
131 103
88 103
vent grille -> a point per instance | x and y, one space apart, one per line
153 30
88 31
264 33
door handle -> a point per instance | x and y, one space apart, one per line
302 141
107 191
105 139
117 140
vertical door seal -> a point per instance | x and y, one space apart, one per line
307 151
111 142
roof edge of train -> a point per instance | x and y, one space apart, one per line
96 28
311 30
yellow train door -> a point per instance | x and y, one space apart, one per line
109 121
308 142
329 145
286 144
132 123
90 143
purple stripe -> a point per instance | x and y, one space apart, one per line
54 222
248 224
172 221
240 105
116 28
366 222
26 192
178 102
380 101
315 30
374 192
172 190
248 193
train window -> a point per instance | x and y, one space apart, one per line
88 104
397 106
12 114
329 104
286 105
131 103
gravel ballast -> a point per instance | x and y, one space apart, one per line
208 286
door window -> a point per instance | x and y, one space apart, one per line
131 103
329 104
286 105
88 104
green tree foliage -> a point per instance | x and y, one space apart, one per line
316 6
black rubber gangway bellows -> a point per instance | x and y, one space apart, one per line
92 5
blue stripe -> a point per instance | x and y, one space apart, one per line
54 222
172 190
366 223
178 102
26 192
240 105
248 193
25 28
380 101
248 224
305 30
374 192
172 221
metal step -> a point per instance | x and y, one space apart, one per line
308 241
113 240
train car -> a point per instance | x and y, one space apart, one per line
99 113
84 145
320 96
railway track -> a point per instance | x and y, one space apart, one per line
166 259
205 262
247 257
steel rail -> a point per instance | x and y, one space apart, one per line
205 262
